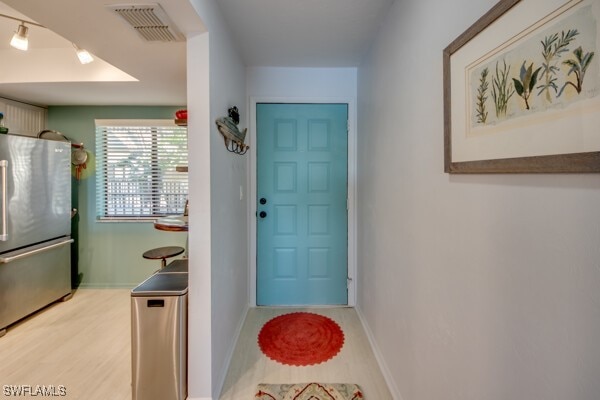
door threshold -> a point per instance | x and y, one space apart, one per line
316 306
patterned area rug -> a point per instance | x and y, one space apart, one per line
301 339
308 391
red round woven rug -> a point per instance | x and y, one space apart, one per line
301 339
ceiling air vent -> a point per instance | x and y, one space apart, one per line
149 20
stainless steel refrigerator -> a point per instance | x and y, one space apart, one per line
35 225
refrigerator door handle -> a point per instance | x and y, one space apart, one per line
4 215
12 256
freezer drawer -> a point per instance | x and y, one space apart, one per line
32 278
159 338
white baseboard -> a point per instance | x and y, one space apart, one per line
394 391
229 357
199 398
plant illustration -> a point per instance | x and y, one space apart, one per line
553 47
482 97
578 67
528 80
501 89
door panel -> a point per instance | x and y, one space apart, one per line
302 229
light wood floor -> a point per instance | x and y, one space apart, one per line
354 364
83 344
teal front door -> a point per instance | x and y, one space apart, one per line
302 217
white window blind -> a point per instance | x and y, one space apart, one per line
135 169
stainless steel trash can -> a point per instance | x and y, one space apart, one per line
159 337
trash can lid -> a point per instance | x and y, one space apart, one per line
166 284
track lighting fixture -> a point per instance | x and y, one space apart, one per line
84 56
19 40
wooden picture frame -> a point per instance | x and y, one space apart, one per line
465 105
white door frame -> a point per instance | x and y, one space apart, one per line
252 206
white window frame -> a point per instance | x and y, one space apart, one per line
145 201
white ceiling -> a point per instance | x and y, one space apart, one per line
158 68
304 33
129 70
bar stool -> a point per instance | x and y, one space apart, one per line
162 253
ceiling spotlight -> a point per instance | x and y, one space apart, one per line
19 39
84 56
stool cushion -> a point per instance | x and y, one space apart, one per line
161 253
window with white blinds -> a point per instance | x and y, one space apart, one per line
136 175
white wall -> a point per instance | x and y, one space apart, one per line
228 211
218 217
301 82
319 85
480 287
199 246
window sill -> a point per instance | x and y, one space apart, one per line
149 220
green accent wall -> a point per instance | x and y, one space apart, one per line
108 254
